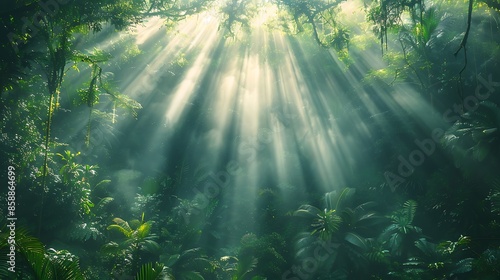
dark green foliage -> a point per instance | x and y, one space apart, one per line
36 261
135 244
246 181
486 266
437 261
30 247
237 15
494 197
319 16
388 14
85 232
401 233
476 135
188 264
152 271
257 258
345 228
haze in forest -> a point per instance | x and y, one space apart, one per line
245 139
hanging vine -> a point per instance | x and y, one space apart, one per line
463 45
387 14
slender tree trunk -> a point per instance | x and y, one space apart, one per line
45 159
315 30
55 74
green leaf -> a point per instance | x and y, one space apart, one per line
463 266
120 229
410 208
307 211
103 202
67 268
102 183
121 226
173 259
337 200
356 240
149 271
395 243
150 246
110 248
41 265
428 248
143 230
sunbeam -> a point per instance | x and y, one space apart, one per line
256 108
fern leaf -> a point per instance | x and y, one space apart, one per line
410 208
121 226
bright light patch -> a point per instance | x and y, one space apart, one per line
148 29
265 103
189 84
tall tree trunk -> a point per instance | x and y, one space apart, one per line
55 73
